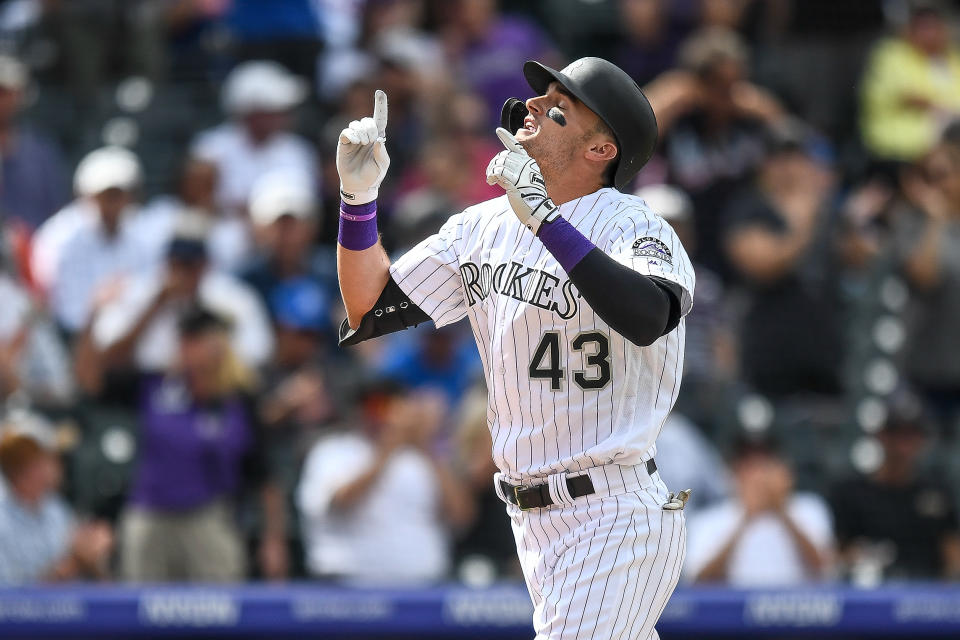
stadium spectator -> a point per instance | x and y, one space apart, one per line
767 535
95 41
285 215
445 169
485 549
105 167
485 49
898 523
297 396
911 87
709 358
392 31
33 360
202 34
305 387
376 501
92 245
190 28
725 14
778 240
864 225
342 61
40 539
288 31
712 122
689 460
198 451
259 98
32 173
651 37
928 238
445 362
228 237
811 53
448 174
951 134
137 326
397 74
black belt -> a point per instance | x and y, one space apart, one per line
538 496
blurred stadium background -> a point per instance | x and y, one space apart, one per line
168 200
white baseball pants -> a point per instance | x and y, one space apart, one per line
603 565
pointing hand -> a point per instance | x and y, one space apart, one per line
362 158
520 177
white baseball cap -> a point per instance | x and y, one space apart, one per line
279 193
671 203
261 85
23 422
107 168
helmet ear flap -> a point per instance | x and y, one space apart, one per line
512 114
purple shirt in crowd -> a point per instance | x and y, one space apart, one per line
189 455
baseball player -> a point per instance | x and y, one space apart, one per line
576 294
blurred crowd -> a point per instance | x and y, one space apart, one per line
174 403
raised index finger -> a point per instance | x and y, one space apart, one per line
380 112
509 141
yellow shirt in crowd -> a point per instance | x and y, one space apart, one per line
893 129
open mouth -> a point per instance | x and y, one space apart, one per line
529 124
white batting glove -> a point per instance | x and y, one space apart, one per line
520 177
362 158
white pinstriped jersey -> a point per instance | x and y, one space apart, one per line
566 392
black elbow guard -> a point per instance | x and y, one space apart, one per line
675 293
393 311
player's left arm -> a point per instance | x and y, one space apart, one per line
640 306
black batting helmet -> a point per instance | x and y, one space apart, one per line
613 95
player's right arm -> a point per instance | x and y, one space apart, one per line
362 161
380 297
363 275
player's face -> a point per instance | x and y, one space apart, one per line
558 128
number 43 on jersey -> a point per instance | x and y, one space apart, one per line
546 363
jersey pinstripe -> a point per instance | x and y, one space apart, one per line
566 392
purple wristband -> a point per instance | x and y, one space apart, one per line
358 225
567 245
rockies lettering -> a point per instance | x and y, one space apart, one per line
522 283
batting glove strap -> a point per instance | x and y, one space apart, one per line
545 212
359 197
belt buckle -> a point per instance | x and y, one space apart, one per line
516 496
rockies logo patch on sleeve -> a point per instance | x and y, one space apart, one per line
650 247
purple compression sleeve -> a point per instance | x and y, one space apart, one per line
358 225
567 245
